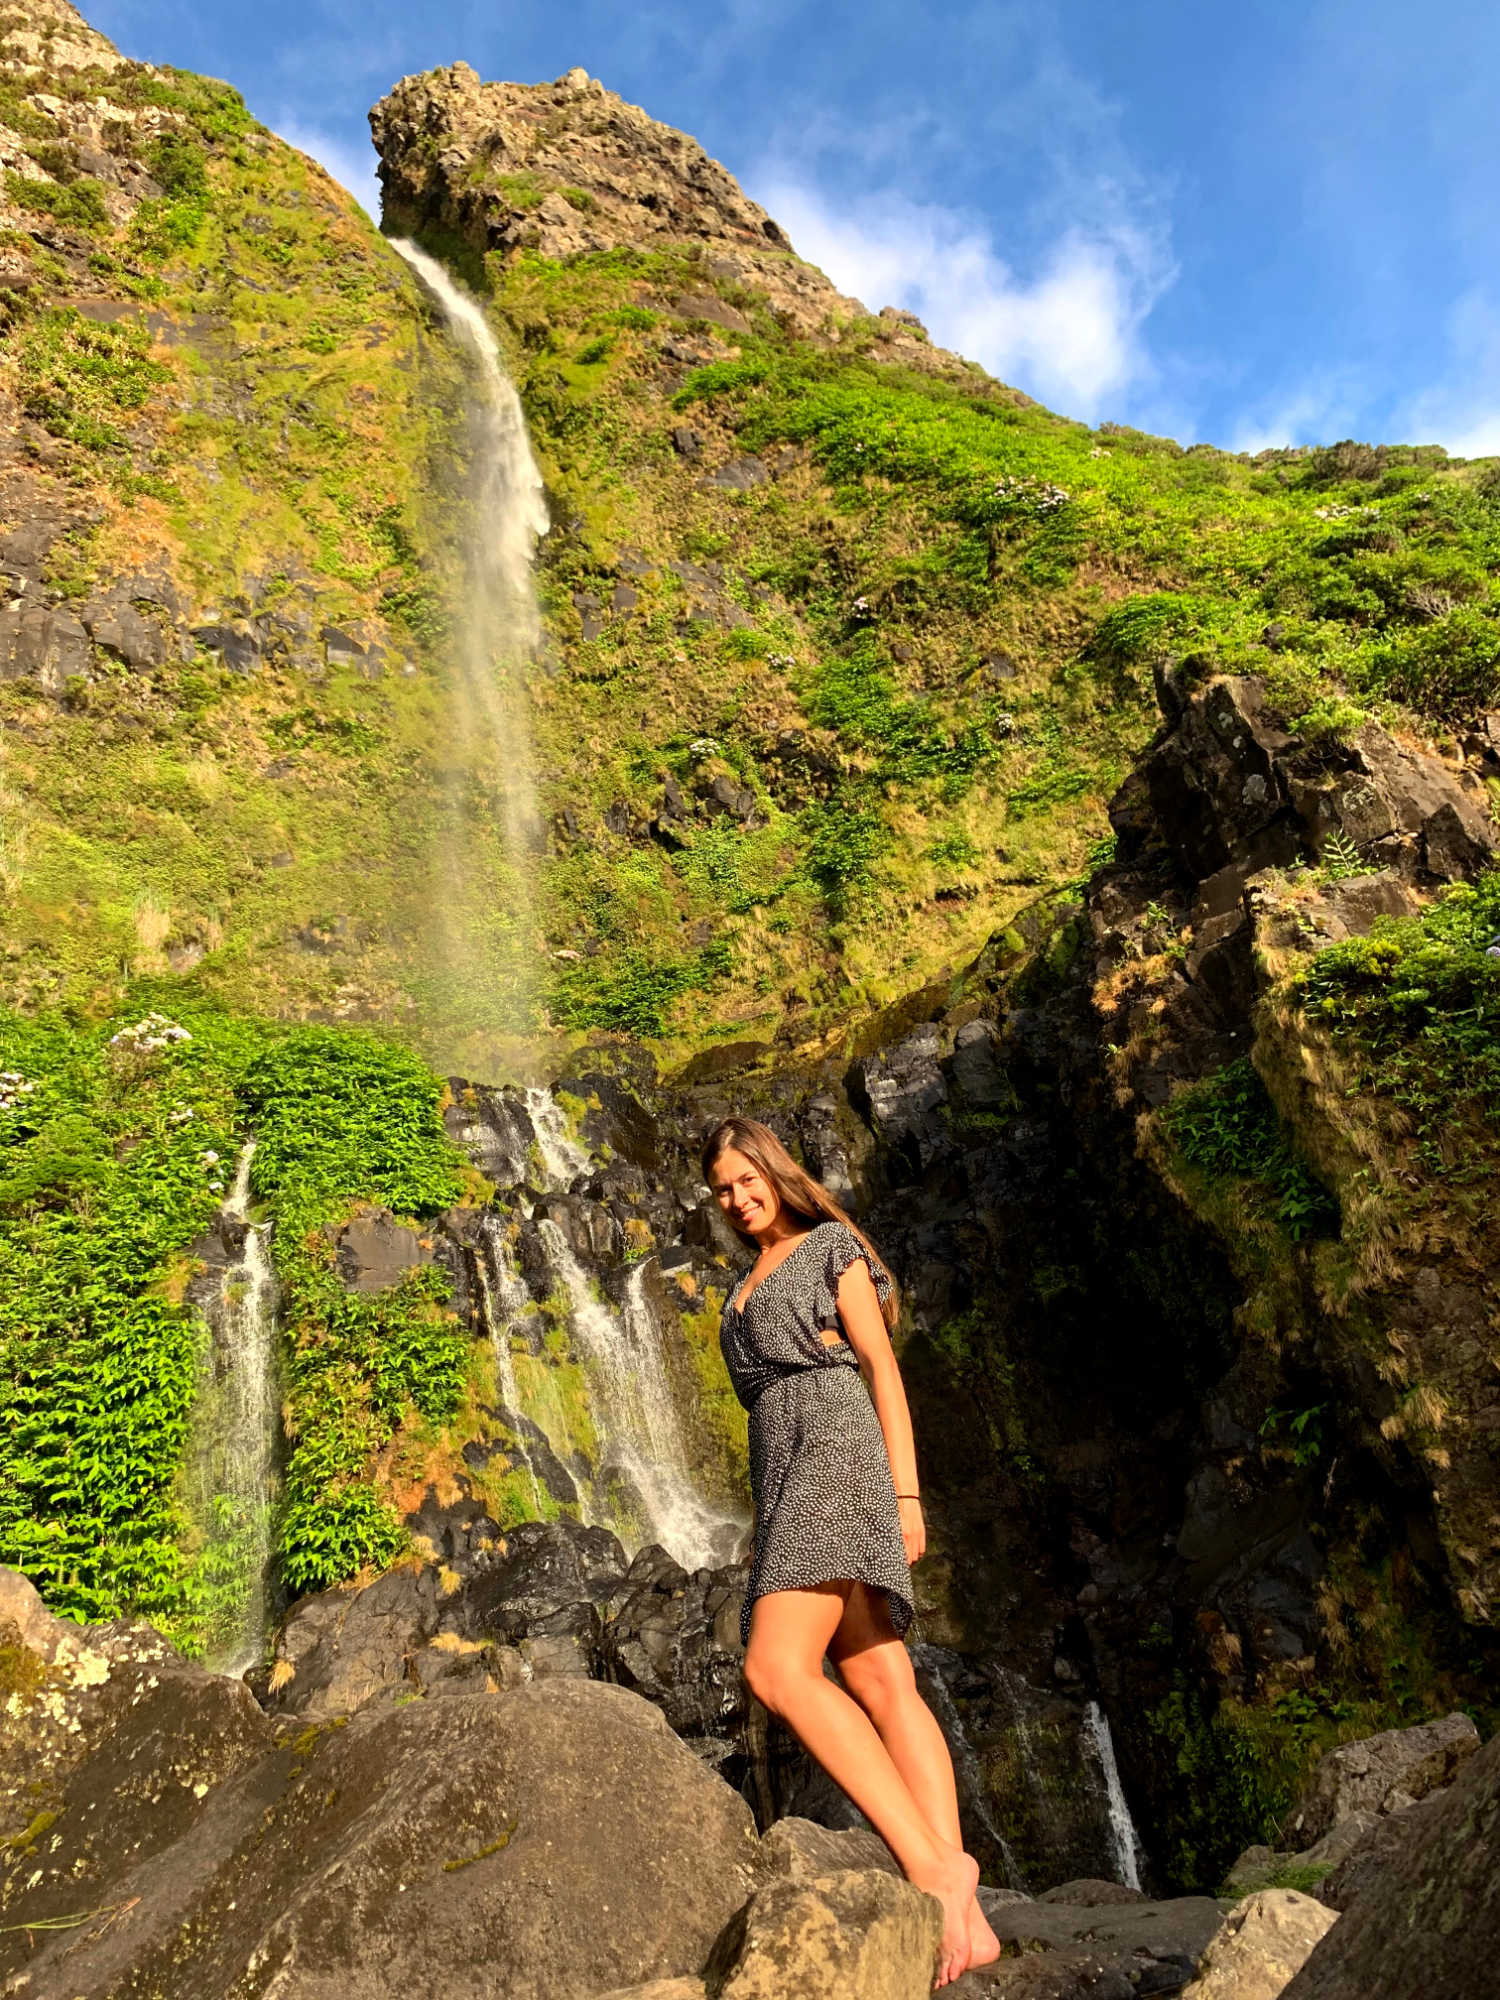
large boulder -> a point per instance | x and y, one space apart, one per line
111 1746
1261 1945
1381 1774
1431 1924
550 1842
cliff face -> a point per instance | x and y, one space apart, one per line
1079 849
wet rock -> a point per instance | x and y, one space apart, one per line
340 1648
1261 1945
1381 1773
862 1932
1101 1951
1090 1892
548 1580
374 1251
675 1639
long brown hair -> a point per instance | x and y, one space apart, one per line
795 1187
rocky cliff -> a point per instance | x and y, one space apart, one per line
1081 850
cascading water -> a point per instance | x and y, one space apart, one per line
1123 1837
484 1002
642 1453
563 1160
230 1466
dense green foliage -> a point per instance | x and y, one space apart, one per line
1227 1126
116 1148
112 1154
343 1118
1419 1001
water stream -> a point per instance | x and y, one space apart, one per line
230 1465
1124 1839
480 904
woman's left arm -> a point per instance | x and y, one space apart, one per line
865 1329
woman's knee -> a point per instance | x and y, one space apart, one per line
879 1679
765 1678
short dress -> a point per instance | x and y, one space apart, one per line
820 1475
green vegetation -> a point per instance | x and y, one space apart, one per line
80 379
1227 1127
1417 1003
116 1147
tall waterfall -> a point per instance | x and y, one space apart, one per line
484 1001
230 1466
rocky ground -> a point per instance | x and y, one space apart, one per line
455 1805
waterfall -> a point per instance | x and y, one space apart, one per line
640 1435
563 1160
1123 1837
230 1467
504 1295
481 903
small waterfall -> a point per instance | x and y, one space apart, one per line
1123 1837
564 1161
481 902
230 1468
640 1435
504 1295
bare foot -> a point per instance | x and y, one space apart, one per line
984 1946
953 1881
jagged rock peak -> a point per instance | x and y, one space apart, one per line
53 35
568 167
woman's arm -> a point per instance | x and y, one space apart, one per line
865 1329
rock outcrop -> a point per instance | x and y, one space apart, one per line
568 168
1264 1941
1430 1923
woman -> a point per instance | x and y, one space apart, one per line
838 1519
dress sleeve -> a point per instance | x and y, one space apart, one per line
844 1249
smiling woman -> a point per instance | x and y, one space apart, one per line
838 1520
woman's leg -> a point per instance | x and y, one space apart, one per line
789 1633
876 1669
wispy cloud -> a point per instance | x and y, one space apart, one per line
1068 332
1462 411
352 166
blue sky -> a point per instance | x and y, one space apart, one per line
1253 223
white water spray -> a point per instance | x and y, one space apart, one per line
231 1463
482 902
1124 1841
639 1430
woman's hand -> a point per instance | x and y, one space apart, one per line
913 1529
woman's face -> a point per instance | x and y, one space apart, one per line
744 1193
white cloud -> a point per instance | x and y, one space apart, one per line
353 167
1463 410
1069 334
1314 413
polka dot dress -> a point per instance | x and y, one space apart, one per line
825 1503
